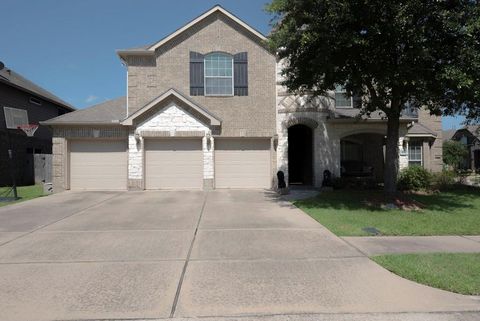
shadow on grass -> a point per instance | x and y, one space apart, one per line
451 200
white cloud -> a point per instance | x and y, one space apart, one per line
91 99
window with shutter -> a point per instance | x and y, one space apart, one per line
218 74
196 74
240 62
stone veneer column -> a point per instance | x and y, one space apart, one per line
402 153
59 146
208 147
135 162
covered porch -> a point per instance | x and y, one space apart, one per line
362 156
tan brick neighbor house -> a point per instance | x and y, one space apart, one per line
205 109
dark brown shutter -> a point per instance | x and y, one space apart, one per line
196 74
240 74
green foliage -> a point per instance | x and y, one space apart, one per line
443 180
392 53
414 178
426 52
456 272
453 153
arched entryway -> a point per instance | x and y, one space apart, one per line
300 155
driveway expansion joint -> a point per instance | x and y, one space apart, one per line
184 270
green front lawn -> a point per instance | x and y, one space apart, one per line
345 213
449 271
24 192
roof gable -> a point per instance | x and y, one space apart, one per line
169 94
150 50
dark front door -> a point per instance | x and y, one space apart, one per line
300 155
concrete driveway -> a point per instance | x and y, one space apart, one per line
127 255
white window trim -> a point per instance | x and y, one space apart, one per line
421 155
226 77
344 93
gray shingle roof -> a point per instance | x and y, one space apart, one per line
108 112
12 78
340 113
418 130
474 129
448 134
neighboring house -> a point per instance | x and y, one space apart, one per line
470 137
205 109
18 93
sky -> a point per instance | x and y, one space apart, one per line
68 47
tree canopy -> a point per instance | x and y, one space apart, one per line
392 53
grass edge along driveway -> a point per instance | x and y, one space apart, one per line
24 192
455 272
345 213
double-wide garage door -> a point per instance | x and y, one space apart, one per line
173 164
242 163
98 165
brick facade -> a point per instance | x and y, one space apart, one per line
250 116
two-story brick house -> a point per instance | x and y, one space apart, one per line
205 109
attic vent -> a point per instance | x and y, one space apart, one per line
35 101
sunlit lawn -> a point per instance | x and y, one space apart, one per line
456 272
24 192
345 213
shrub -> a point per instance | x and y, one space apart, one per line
444 179
453 153
414 178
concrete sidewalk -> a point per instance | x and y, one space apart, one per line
377 245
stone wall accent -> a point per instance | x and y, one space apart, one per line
59 160
171 121
208 147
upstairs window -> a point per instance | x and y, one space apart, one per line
218 74
341 98
415 154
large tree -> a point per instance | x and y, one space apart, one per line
424 53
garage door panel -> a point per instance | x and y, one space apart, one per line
98 165
174 164
242 163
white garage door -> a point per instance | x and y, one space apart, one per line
242 163
98 165
173 164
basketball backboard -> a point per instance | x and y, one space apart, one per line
15 117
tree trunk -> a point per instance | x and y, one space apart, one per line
391 155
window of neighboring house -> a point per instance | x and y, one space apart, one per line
341 98
35 101
218 74
415 154
464 140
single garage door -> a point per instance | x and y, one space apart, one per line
98 165
173 164
242 163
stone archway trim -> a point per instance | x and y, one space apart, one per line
301 121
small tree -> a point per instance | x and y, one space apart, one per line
453 153
424 53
